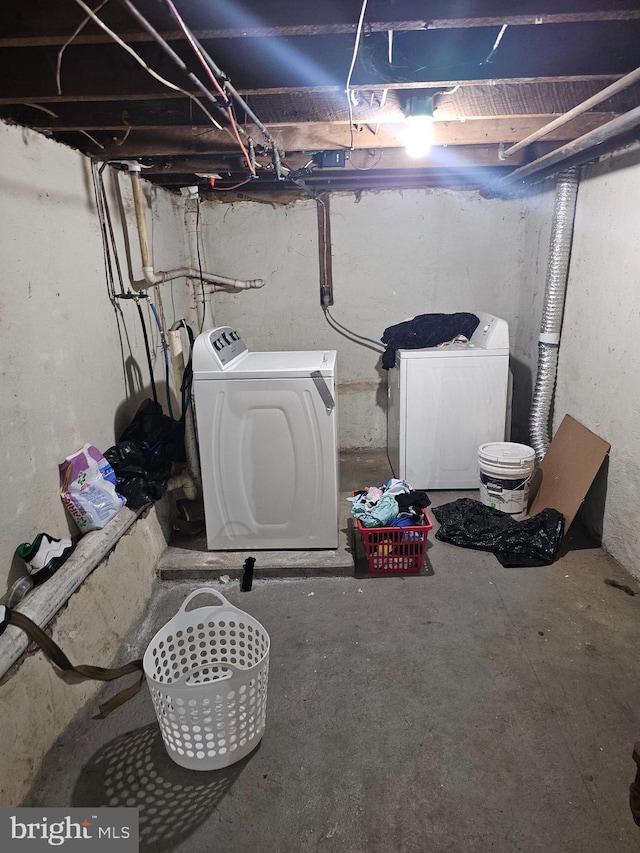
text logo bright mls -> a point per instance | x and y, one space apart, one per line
35 829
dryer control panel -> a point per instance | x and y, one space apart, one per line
225 344
492 333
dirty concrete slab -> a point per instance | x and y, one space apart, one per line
187 558
476 708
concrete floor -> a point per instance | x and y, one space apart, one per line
188 557
470 709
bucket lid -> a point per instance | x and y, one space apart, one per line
506 453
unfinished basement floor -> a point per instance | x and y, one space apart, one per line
469 709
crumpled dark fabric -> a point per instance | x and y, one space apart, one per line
142 475
470 524
415 498
156 431
425 330
149 451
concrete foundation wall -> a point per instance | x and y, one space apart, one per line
599 360
36 703
73 368
395 255
524 350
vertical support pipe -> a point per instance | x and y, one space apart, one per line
190 440
549 339
141 222
324 250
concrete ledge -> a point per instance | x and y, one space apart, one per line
36 703
43 602
179 564
192 560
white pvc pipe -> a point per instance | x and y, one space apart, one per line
151 277
618 86
185 482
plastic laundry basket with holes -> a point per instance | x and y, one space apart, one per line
207 670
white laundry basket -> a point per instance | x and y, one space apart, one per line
207 670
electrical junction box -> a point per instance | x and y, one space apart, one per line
330 159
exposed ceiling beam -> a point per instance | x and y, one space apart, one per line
363 160
485 101
154 92
94 124
314 137
298 27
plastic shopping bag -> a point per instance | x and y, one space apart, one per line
87 488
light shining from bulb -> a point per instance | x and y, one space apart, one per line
418 135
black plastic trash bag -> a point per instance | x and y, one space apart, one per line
470 524
141 475
149 451
159 433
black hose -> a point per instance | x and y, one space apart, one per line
146 346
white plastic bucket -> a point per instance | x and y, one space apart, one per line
506 469
207 671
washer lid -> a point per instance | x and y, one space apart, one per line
466 350
491 337
269 365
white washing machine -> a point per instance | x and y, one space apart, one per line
268 440
443 403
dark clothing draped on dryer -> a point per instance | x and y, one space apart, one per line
425 330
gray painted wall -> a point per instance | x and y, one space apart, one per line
599 360
395 255
73 371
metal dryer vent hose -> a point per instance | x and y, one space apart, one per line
549 339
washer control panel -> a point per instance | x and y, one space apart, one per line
226 345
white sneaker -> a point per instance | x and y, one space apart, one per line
44 555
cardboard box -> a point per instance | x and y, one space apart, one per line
568 469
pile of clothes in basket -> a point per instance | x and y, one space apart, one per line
393 504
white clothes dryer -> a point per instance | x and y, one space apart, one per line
444 402
268 442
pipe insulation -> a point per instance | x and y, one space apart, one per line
553 308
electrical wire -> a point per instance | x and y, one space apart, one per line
68 42
147 350
187 377
40 107
353 62
109 249
92 138
370 343
372 165
141 62
212 77
165 350
112 238
495 45
234 187
99 196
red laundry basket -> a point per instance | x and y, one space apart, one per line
395 550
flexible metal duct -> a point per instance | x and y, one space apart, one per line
549 340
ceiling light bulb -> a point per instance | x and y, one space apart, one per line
418 135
